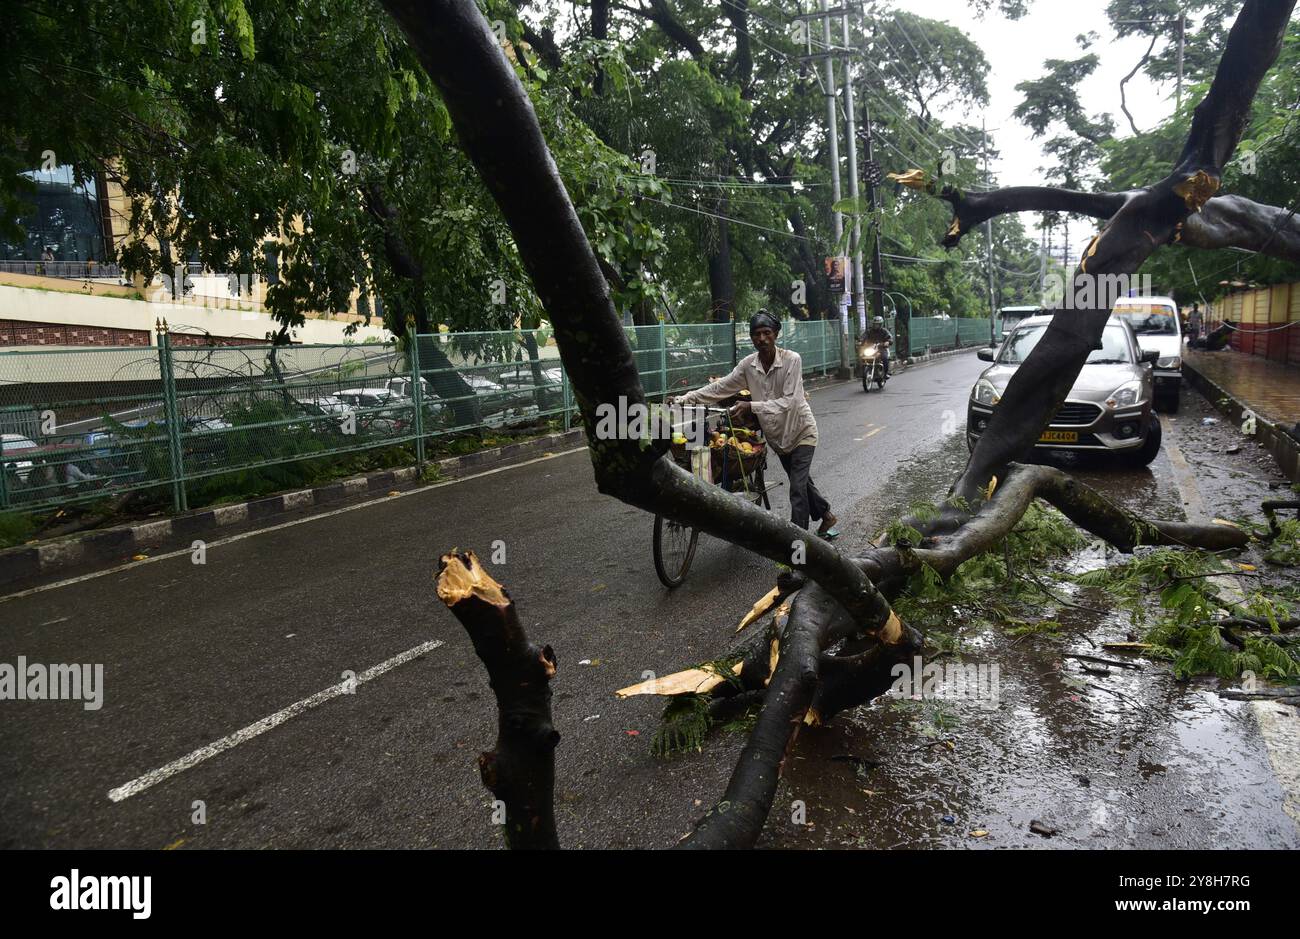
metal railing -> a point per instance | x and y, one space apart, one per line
82 424
936 334
76 270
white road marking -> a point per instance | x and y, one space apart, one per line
186 552
163 773
874 432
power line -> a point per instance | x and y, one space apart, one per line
935 53
727 218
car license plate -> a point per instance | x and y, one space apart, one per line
1059 436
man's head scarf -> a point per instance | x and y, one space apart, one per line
763 318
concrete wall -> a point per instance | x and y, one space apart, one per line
1268 321
60 317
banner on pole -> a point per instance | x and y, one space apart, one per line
837 273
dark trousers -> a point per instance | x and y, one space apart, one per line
805 501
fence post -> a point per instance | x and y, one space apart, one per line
566 396
663 360
172 415
4 483
417 392
735 351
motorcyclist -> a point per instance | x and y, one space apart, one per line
878 334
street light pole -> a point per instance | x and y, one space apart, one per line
850 128
833 137
988 240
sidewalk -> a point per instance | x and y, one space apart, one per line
1269 390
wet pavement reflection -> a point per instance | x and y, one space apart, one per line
1071 754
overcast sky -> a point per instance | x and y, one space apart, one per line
1016 51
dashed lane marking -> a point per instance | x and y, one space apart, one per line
190 760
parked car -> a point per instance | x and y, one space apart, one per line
1155 322
1109 409
364 397
405 388
522 376
378 409
328 413
13 445
527 391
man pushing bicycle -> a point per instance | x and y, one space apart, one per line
774 379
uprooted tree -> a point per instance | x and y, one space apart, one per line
835 635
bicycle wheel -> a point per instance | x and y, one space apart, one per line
674 548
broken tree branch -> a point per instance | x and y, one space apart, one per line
520 771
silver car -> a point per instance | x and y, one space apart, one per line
1108 410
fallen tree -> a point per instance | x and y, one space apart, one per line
834 647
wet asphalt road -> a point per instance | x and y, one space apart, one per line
195 653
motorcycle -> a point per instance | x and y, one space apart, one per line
871 362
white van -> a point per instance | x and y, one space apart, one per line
1155 321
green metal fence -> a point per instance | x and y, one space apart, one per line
935 334
81 424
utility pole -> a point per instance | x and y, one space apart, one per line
833 135
873 194
988 239
1042 262
1182 42
850 129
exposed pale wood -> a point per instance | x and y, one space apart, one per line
691 681
765 603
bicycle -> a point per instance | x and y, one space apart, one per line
733 467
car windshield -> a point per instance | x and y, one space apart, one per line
1149 320
1114 347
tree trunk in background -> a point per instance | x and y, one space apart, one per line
535 366
722 291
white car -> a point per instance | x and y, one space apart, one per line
364 397
329 404
1155 323
14 444
522 376
405 388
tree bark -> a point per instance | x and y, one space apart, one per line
520 771
1227 221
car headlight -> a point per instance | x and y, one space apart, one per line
1170 361
1125 396
985 393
